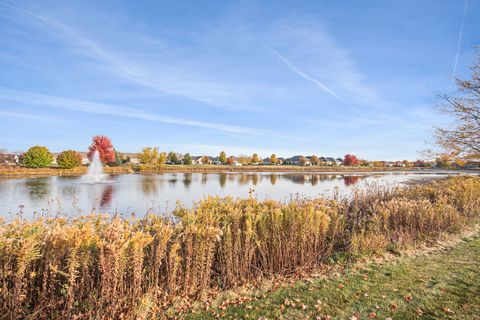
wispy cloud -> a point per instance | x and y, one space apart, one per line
460 36
171 79
301 73
23 115
326 60
49 101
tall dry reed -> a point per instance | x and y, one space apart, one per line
112 268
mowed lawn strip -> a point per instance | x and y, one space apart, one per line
441 285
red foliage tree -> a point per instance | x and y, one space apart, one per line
350 160
104 147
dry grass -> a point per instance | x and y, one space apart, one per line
262 168
111 268
55 171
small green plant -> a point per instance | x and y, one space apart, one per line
69 159
37 157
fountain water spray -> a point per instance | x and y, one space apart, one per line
95 170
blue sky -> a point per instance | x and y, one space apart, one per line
290 77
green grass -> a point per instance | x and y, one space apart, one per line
440 285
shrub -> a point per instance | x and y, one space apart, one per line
69 159
37 157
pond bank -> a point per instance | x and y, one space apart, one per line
55 171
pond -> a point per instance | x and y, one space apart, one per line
159 193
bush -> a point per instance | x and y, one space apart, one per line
37 157
69 159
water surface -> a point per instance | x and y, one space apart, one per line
159 193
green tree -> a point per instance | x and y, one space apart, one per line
37 157
255 159
69 159
273 159
187 159
223 157
118 159
172 157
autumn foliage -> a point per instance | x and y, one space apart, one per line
350 160
104 146
69 159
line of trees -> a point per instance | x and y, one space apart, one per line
41 157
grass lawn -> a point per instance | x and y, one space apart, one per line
443 284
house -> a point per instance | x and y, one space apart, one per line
9 159
339 162
330 161
267 161
202 160
134 159
280 160
216 161
299 160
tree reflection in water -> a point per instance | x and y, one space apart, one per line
187 180
173 180
273 179
106 199
255 178
351 180
37 188
222 179
204 178
150 184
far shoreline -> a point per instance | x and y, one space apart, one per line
140 169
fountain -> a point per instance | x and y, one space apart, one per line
95 170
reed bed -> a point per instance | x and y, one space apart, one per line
114 268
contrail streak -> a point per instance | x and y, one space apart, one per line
302 74
460 36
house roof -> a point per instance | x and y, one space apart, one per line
296 158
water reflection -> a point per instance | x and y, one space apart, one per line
173 180
255 178
107 196
149 184
222 179
350 180
37 189
134 193
204 178
273 179
187 180
314 179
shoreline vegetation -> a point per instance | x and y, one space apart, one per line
7 171
114 268
438 281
